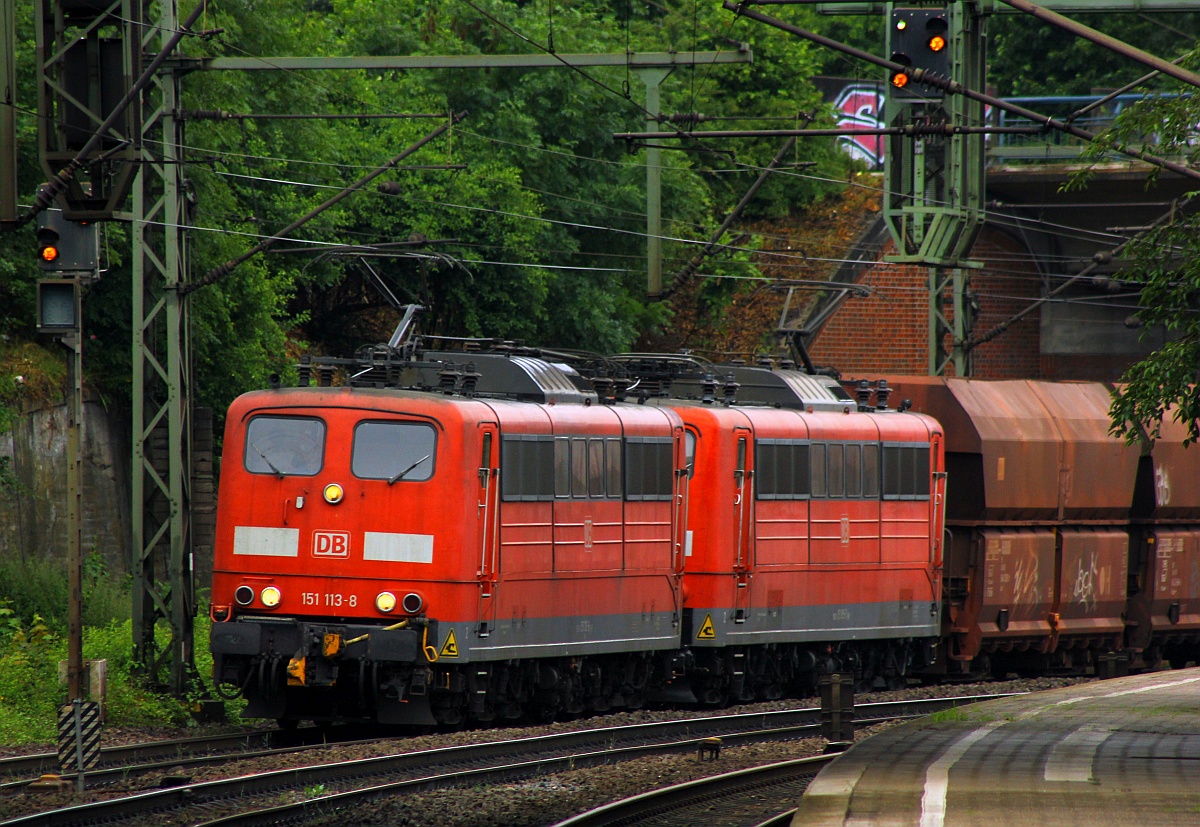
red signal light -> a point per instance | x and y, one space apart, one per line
937 43
899 80
49 253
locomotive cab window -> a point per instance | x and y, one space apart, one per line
393 451
285 446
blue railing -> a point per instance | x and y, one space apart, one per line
1051 145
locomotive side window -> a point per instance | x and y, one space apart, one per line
781 469
817 464
596 467
612 459
393 451
285 445
562 466
905 471
579 468
836 470
854 470
648 467
527 467
870 470
587 467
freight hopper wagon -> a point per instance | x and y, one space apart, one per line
487 543
1163 620
813 528
1038 547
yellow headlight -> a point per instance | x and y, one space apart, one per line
270 597
385 601
333 493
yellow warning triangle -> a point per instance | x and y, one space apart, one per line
707 630
450 647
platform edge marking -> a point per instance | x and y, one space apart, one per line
937 777
1072 758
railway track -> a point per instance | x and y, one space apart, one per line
745 797
323 789
131 760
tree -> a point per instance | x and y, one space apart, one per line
1028 57
1164 267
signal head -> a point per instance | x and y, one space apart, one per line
919 39
47 242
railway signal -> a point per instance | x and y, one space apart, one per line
64 245
919 39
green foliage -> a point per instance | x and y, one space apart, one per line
34 587
33 645
129 702
28 374
1029 57
30 691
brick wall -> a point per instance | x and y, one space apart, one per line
887 332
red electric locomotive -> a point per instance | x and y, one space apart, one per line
814 529
492 544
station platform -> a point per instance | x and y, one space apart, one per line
1124 751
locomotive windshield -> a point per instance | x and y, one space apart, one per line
285 445
393 451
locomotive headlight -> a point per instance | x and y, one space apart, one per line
385 601
412 603
270 597
333 493
244 595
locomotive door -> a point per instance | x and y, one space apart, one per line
743 503
685 452
487 515
937 516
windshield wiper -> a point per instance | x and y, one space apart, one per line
400 475
270 464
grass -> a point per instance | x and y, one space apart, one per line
33 640
952 715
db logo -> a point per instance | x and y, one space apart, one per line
331 544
